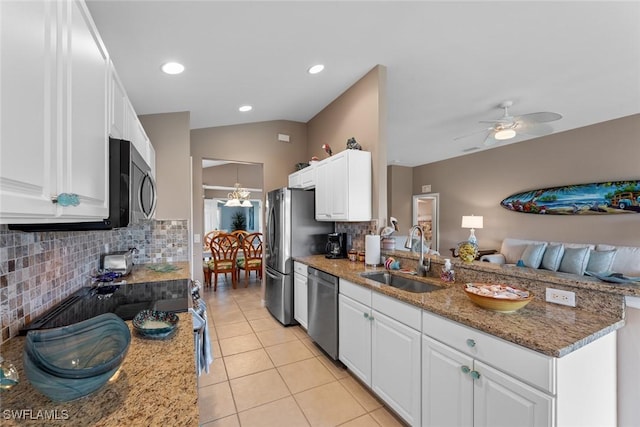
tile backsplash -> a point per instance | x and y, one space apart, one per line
38 270
357 231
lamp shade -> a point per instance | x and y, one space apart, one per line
471 221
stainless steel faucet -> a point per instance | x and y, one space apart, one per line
421 269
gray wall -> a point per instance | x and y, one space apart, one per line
476 183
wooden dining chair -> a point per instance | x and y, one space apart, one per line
206 242
240 234
252 261
224 250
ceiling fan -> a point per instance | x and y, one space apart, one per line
507 127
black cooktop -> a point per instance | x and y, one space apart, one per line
124 300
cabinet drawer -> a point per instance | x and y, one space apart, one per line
356 292
300 268
529 366
398 310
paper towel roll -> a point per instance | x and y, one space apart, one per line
372 249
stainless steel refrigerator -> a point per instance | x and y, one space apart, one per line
291 231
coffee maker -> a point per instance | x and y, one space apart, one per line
336 245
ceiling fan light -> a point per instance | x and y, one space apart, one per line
503 134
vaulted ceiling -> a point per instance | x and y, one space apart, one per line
449 64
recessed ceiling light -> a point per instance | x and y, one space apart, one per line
173 68
316 69
245 108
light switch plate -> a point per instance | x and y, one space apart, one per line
426 188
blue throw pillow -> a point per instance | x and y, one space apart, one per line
532 255
574 260
552 257
600 261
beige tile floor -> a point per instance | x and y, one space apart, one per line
265 374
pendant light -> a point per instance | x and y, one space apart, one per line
239 197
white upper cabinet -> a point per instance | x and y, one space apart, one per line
54 74
118 101
343 187
304 178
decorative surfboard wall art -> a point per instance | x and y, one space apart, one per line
600 198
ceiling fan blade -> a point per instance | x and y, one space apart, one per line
490 140
541 117
472 133
534 129
502 120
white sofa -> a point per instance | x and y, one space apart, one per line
626 259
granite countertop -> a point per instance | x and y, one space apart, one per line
156 385
141 273
549 329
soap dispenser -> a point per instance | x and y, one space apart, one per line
447 274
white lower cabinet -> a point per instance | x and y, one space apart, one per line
354 337
395 366
460 391
378 342
470 378
300 308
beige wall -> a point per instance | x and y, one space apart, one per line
360 112
475 184
400 197
247 175
169 135
254 143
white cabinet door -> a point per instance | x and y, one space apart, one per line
354 337
396 366
295 180
28 114
54 113
339 184
117 101
447 387
501 400
85 153
343 187
308 177
300 308
323 192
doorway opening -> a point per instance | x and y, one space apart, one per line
220 179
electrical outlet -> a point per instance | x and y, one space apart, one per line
557 296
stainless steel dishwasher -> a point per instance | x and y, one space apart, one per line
323 310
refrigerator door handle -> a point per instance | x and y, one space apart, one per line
273 276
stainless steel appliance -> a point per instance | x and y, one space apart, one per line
132 193
323 310
336 245
291 231
118 262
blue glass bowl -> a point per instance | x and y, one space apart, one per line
73 361
61 389
82 350
155 324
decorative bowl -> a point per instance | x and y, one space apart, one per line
81 350
501 298
467 251
72 361
155 324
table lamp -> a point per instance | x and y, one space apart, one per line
472 222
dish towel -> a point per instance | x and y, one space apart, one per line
206 358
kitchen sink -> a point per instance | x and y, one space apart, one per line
400 282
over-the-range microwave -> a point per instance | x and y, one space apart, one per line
132 193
